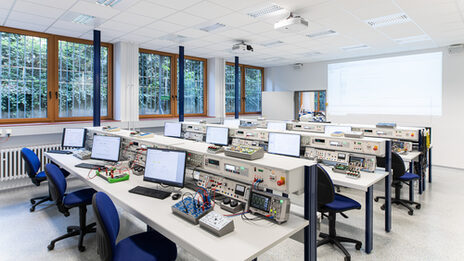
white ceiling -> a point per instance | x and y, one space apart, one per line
147 22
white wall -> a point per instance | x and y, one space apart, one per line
446 129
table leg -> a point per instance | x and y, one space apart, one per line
388 208
430 165
411 190
310 213
420 180
369 220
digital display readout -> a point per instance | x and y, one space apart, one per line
260 202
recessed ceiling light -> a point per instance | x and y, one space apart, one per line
265 10
174 38
413 39
109 3
212 27
313 53
271 43
322 34
355 47
388 20
84 19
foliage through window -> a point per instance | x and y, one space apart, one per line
230 87
75 68
155 84
23 76
194 88
253 89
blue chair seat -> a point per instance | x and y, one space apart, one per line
409 176
342 203
149 246
80 197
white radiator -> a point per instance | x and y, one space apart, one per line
12 165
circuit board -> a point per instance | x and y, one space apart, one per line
190 209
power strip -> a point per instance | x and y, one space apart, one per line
190 209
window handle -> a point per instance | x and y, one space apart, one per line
56 95
50 94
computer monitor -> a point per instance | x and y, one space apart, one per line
284 144
217 135
106 148
277 126
165 167
73 137
172 129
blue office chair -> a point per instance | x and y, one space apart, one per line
333 203
144 246
32 164
80 198
400 176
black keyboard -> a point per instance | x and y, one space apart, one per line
154 193
60 151
89 166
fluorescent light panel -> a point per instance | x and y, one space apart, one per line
84 19
109 3
265 10
413 39
388 20
212 27
272 43
322 34
355 47
174 38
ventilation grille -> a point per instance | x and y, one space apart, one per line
174 38
265 10
413 39
388 20
212 27
84 19
109 3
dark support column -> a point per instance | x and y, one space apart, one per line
421 176
96 77
369 227
411 185
388 181
310 213
237 88
430 155
181 84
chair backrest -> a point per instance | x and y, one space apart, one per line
325 187
107 225
398 167
57 185
32 164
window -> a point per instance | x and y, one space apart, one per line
194 86
75 78
250 85
47 78
155 84
23 76
230 87
401 85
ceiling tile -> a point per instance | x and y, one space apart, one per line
401 30
151 10
64 32
376 10
31 19
38 9
238 4
235 34
184 19
258 27
208 10
3 14
193 33
236 19
25 25
176 4
94 10
118 26
70 26
166 26
149 32
134 38
134 19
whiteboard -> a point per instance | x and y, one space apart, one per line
278 106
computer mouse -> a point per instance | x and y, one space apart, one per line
175 196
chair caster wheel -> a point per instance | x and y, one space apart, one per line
418 206
81 248
51 247
347 258
382 207
32 201
376 199
31 209
358 246
410 212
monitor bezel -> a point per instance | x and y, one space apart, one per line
83 141
283 154
155 180
180 134
219 144
119 148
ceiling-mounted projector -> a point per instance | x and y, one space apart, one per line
291 24
242 47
